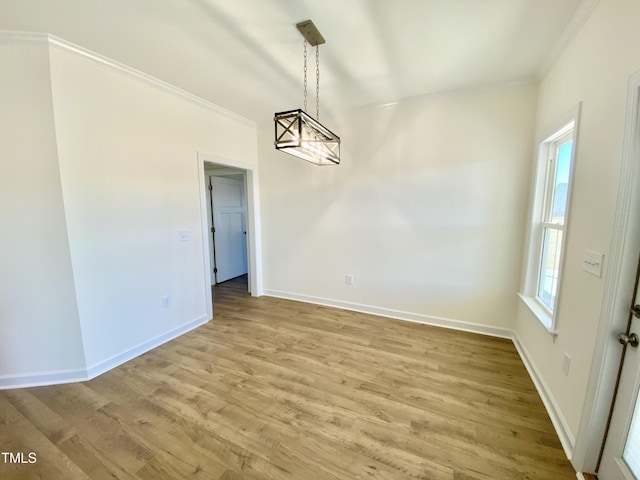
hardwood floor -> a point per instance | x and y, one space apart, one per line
275 389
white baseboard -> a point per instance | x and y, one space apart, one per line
396 314
116 360
579 476
40 379
557 419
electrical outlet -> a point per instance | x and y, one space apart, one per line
349 280
184 235
566 364
166 301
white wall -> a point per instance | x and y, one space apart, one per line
426 210
39 325
129 168
103 170
593 69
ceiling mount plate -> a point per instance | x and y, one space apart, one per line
310 33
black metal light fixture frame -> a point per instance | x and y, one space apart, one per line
298 133
301 135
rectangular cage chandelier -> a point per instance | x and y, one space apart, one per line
298 133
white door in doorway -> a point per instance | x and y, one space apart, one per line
229 223
621 457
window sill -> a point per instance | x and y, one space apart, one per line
540 313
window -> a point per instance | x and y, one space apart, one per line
553 220
548 220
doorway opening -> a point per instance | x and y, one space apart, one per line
230 223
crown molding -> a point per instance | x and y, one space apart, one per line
582 13
89 55
16 36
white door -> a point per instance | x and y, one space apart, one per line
621 457
229 224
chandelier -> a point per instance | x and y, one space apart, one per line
298 133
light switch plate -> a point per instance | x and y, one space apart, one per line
566 364
592 262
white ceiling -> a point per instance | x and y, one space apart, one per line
246 55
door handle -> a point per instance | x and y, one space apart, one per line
631 339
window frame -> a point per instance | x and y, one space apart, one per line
546 221
539 218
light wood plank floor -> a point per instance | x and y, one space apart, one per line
274 389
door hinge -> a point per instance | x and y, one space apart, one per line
213 230
210 187
215 270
